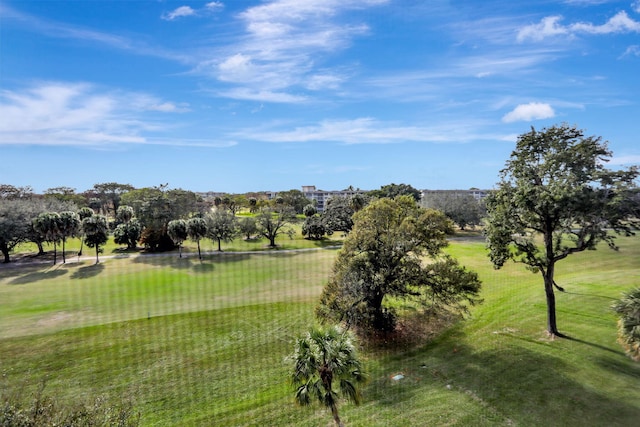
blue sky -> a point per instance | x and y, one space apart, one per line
241 96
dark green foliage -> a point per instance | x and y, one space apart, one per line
247 227
197 230
394 190
48 225
628 308
555 187
383 257
96 232
221 226
313 228
15 224
326 359
338 215
309 210
178 232
155 207
128 233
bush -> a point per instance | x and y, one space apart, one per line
42 410
628 307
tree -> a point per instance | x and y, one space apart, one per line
462 208
338 215
83 213
382 258
65 194
177 230
314 228
109 194
248 227
221 226
324 359
628 307
155 207
394 190
69 226
47 224
96 231
129 230
274 222
309 210
15 224
556 198
197 230
294 199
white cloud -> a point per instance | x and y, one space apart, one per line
178 13
636 6
528 112
550 26
366 130
284 39
183 11
633 50
78 114
214 5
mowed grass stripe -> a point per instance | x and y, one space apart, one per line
225 364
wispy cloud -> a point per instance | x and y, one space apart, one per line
367 130
279 49
183 11
633 50
79 114
551 26
529 112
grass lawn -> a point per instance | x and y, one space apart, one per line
205 343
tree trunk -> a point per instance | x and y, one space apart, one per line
219 246
336 417
199 254
97 251
55 252
5 253
552 326
64 259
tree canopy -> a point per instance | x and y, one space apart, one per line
383 258
556 198
394 190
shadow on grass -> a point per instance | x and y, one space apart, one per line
621 366
88 271
517 385
50 273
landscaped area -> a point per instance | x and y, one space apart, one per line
190 342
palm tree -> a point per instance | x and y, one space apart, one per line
177 231
628 307
69 227
95 232
197 230
47 224
326 357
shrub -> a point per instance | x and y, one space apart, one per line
628 307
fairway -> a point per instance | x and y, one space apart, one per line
203 343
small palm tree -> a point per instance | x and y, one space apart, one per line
628 307
324 358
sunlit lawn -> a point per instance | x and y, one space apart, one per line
205 343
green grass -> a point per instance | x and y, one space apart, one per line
205 343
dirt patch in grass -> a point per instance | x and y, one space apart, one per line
411 331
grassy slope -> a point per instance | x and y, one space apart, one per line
212 351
